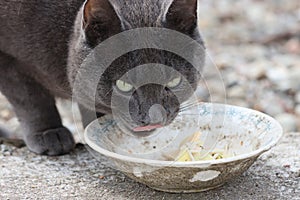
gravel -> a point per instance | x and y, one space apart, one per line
23 175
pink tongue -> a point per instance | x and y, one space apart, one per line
147 128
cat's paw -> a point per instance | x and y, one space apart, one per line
51 142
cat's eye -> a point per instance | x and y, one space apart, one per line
174 83
124 86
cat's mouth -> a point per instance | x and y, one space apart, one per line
147 128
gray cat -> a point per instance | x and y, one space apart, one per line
40 56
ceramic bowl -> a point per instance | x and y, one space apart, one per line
243 132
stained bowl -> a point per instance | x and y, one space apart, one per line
243 132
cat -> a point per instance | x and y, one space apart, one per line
41 45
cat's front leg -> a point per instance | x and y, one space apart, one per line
36 110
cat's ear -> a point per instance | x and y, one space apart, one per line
182 15
99 21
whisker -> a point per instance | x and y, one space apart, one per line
186 107
109 91
190 103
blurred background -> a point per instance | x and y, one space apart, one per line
255 46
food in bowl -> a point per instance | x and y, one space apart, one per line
194 150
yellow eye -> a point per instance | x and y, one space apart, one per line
123 86
174 83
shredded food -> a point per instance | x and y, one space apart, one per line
193 150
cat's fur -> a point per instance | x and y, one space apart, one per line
42 44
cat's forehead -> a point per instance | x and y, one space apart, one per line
150 73
153 61
140 13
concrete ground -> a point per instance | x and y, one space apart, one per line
24 175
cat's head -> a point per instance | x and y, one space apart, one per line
157 102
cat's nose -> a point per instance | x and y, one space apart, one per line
157 114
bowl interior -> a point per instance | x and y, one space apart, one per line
238 130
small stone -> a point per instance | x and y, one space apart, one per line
272 109
288 122
279 77
297 98
297 110
231 79
285 79
293 46
2 148
287 166
257 70
257 73
6 114
269 103
236 92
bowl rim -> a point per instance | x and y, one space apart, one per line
162 163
